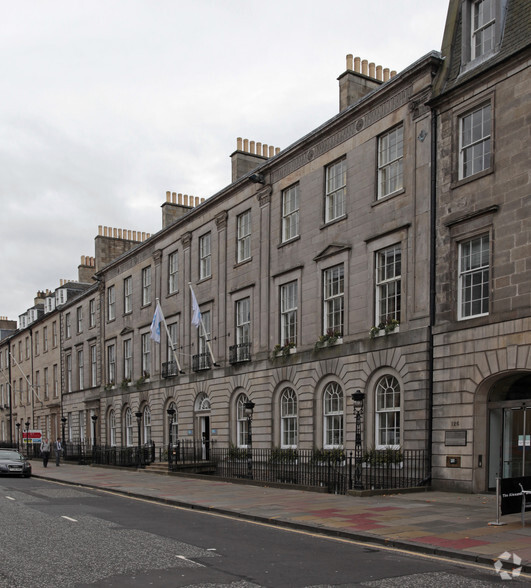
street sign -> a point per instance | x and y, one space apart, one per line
30 437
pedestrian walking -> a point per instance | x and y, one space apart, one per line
45 452
58 448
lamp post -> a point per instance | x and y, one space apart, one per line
357 398
18 434
171 415
248 408
27 423
94 418
63 423
139 420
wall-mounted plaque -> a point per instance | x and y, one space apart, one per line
455 438
453 461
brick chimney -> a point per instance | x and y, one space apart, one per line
111 242
360 78
86 269
176 206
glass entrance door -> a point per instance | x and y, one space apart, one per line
516 442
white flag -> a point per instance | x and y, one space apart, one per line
155 324
196 313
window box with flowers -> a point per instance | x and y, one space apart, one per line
331 337
384 328
288 348
109 385
143 379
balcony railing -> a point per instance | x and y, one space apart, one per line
170 369
200 362
240 352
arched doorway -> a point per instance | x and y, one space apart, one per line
510 428
202 413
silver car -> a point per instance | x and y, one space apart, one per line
13 463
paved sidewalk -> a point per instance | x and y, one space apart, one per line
441 523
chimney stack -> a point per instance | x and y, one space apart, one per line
249 155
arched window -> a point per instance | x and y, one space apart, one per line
333 416
173 426
387 412
288 418
202 402
241 424
129 427
147 425
112 428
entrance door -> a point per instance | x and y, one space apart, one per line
205 436
516 442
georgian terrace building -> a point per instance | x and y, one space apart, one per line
292 265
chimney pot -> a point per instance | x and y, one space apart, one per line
246 145
371 70
393 73
167 196
251 148
239 144
379 72
357 64
365 67
386 74
350 65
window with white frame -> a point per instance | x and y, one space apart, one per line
81 416
173 272
482 31
288 419
128 427
55 371
68 326
146 355
147 425
333 415
37 383
128 295
80 369
69 372
54 334
173 425
79 319
244 236
174 332
388 284
205 257
336 182
37 341
112 428
290 213
111 365
46 384
45 339
475 141
243 321
474 277
390 161
387 413
92 313
146 285
128 359
93 366
334 300
288 313
111 303
242 425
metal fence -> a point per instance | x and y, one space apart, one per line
334 471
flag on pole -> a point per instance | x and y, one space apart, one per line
155 323
196 313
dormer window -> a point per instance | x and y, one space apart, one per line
60 296
482 28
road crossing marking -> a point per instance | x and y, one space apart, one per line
69 518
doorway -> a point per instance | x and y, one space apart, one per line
204 423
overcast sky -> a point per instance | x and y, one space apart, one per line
107 104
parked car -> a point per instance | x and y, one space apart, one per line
13 463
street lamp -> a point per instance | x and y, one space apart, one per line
248 408
139 420
94 418
171 416
63 423
357 398
18 435
27 423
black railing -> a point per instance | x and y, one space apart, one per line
170 369
333 470
202 361
240 352
123 456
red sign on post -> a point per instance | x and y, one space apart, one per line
30 437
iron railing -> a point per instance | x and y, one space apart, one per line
200 362
169 369
240 352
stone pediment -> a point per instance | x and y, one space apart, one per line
126 331
332 249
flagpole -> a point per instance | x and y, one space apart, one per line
34 392
169 338
203 327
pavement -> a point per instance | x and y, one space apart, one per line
444 524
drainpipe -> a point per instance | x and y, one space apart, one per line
433 275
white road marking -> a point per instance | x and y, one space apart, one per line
190 561
10 498
69 518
